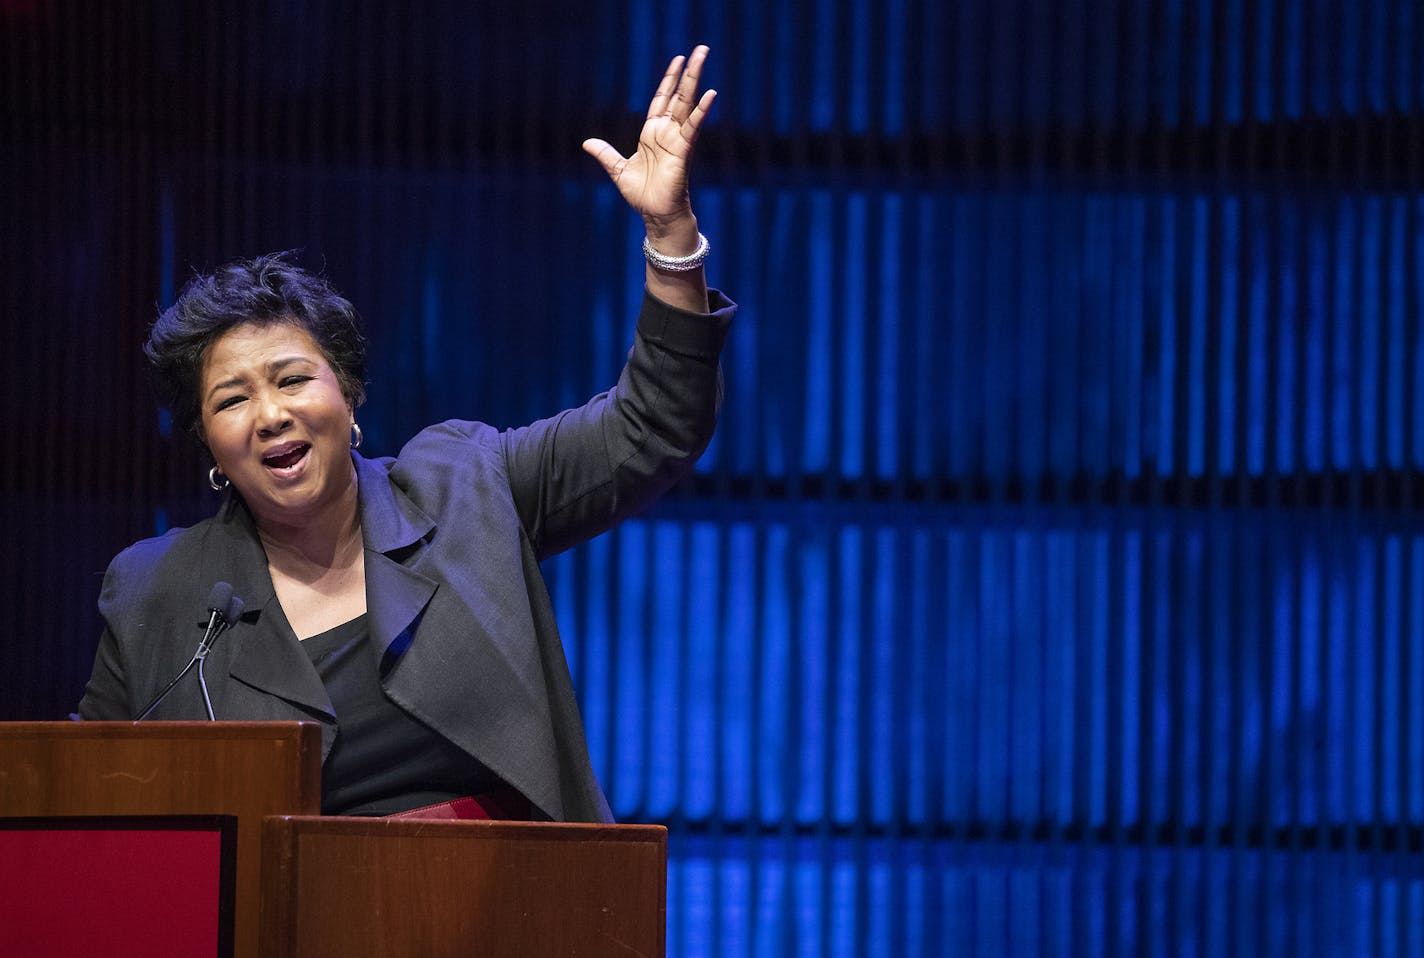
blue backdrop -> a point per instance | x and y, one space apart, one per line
1055 582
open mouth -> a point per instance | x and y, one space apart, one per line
286 455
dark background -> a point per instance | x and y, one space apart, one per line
1055 584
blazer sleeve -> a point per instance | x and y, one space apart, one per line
576 474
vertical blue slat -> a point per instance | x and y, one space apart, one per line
815 702
1310 667
1096 266
777 692
924 646
1363 636
735 922
1064 677
706 710
1187 637
1338 806
1389 759
1197 319
1376 55
1203 54
1344 273
1163 363
1025 743
846 665
1224 372
1129 639
1031 215
1258 362
896 56
997 389
1293 251
1094 601
1064 414
1396 348
1320 339
960 685
644 63
667 659
890 403
1370 317
933 324
1346 41
850 390
1413 715
816 444
635 711
773 914
1280 666
819 101
738 645
1161 694
992 674
890 717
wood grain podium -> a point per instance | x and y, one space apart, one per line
359 886
248 770
312 885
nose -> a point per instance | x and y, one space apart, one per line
272 416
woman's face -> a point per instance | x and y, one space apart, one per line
276 421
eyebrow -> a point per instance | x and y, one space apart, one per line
273 368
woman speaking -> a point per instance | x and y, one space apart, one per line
398 601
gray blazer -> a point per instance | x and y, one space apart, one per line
462 628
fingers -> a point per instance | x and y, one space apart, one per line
686 96
694 120
676 95
662 97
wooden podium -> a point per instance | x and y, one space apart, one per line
305 884
357 887
248 770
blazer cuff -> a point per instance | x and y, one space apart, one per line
685 332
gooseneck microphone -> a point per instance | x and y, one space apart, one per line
223 609
218 622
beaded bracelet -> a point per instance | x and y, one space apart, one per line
677 264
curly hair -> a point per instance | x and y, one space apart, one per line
262 291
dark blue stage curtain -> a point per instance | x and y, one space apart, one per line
1055 582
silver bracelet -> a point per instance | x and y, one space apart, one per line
678 264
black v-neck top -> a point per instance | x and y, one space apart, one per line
384 761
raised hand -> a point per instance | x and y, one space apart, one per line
654 179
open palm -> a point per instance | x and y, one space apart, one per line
654 180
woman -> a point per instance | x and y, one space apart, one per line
399 601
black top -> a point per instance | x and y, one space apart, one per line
384 761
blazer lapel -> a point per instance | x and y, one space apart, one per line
392 527
266 654
472 676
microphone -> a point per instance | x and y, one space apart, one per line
218 622
218 598
223 609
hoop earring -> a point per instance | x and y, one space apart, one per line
356 436
215 474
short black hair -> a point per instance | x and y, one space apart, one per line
265 290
